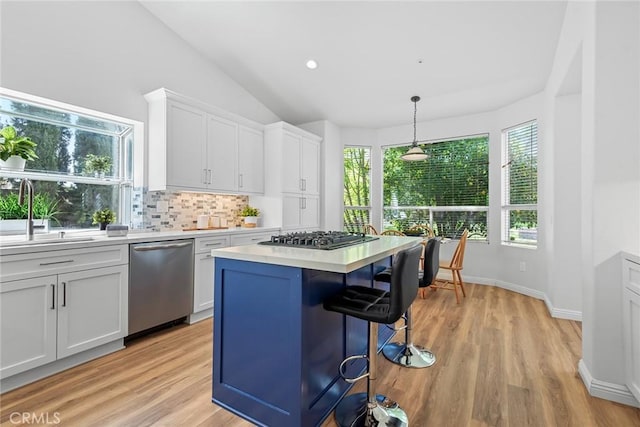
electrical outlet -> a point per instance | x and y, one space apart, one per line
523 266
162 206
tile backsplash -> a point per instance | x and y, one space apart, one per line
183 208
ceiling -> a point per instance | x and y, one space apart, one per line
459 57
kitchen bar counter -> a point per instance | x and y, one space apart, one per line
343 260
276 350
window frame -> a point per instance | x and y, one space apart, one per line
133 155
430 210
505 206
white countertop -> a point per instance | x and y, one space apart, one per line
343 260
9 245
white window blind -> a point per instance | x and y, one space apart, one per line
357 188
520 184
449 190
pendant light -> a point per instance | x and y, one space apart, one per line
415 152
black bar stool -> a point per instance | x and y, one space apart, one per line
376 306
407 353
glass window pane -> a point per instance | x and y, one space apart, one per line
67 204
356 219
522 227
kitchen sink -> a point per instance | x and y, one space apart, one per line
45 239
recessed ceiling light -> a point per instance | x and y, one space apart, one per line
311 64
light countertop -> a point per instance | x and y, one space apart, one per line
11 245
342 260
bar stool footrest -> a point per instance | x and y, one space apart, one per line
353 411
343 374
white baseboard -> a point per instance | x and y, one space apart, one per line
553 311
561 313
60 365
605 390
200 316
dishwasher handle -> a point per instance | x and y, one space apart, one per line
159 247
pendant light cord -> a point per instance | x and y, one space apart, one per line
415 111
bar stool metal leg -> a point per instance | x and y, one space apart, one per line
407 353
370 409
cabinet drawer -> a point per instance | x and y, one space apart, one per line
42 263
205 244
249 239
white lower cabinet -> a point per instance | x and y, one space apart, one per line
28 329
203 272
631 326
204 268
90 308
52 317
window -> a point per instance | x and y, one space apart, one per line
520 184
357 182
449 191
85 159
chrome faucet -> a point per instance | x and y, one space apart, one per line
29 185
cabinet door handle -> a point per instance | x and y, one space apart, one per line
64 294
53 296
304 203
300 185
240 181
304 184
57 262
300 203
213 244
210 176
204 176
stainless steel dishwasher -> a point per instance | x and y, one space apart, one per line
160 283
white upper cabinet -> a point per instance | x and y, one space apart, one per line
292 178
199 147
187 129
250 160
222 153
310 166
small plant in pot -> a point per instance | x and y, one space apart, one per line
250 216
15 150
97 165
13 215
104 217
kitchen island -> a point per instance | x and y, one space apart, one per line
276 350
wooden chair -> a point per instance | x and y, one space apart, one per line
370 229
455 266
392 233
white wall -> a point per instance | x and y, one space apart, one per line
606 38
105 56
564 285
331 203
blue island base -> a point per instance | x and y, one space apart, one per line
276 350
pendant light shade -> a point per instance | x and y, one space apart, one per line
415 152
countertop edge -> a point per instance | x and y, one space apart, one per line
132 237
291 260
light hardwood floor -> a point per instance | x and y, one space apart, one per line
502 361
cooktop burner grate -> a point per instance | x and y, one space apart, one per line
318 239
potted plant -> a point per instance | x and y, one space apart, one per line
250 215
13 216
15 150
97 165
103 217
